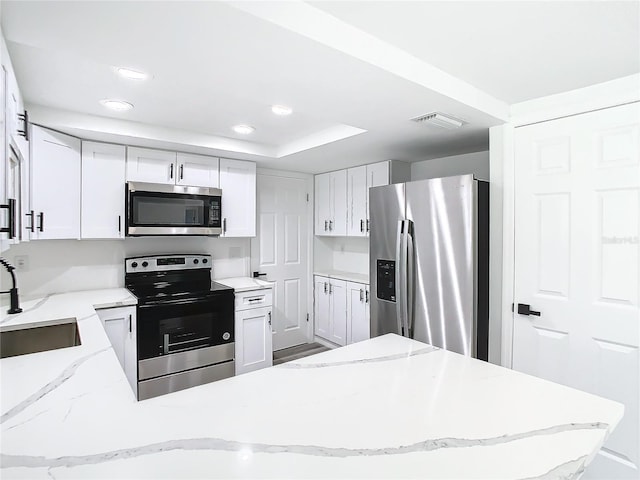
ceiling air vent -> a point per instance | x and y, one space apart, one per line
438 119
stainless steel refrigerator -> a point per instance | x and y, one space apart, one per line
429 262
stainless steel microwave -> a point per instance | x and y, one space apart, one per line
156 209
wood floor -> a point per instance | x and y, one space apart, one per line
299 351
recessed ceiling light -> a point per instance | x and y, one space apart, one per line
243 129
118 105
132 74
281 110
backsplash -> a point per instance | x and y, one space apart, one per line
55 266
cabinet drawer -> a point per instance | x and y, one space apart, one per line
254 299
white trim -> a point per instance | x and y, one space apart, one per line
310 225
324 342
502 168
595 97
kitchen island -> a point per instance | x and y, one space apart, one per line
386 407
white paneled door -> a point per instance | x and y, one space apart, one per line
577 264
281 251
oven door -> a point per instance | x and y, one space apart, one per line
155 209
183 335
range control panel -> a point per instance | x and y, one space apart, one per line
162 263
386 280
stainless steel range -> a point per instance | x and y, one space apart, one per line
184 323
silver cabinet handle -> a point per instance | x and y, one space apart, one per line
366 296
325 225
367 224
330 225
119 223
325 287
330 289
269 318
171 171
41 217
361 295
224 225
181 171
361 225
129 323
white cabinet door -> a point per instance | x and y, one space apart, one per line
377 176
103 190
120 326
338 220
357 321
238 184
338 294
55 184
253 339
152 166
321 308
357 201
322 203
198 170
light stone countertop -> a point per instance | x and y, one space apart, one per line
386 407
244 284
342 275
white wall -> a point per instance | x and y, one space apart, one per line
64 265
476 163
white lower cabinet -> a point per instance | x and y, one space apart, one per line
120 325
341 310
330 311
357 312
253 337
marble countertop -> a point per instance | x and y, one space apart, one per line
386 407
342 275
244 284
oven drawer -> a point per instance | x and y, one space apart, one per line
254 299
177 362
180 381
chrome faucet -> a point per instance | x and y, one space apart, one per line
13 292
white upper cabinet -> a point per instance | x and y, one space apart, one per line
103 190
331 203
322 203
152 166
342 197
357 201
238 184
55 184
197 170
378 174
338 222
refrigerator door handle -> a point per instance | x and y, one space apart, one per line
401 278
411 272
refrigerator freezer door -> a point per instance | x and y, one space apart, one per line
387 207
442 211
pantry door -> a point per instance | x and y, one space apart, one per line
281 249
577 207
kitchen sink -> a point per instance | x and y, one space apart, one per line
50 335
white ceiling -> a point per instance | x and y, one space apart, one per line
355 73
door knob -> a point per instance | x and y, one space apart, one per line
524 309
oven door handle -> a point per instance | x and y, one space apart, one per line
165 347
